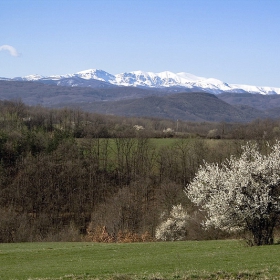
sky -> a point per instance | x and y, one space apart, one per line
236 41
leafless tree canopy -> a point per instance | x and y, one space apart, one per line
66 172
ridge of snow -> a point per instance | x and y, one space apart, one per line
96 74
155 80
34 77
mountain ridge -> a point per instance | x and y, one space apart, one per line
170 103
97 78
186 106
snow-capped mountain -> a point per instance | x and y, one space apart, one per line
142 79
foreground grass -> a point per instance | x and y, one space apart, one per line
155 261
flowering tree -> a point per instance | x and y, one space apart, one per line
174 225
242 193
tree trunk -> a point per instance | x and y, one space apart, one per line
262 231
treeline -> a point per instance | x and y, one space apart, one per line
67 173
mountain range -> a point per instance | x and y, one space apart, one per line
162 95
100 79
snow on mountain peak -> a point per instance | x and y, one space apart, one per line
95 74
153 80
35 77
137 78
189 77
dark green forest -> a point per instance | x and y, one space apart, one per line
69 175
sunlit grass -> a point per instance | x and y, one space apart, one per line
159 260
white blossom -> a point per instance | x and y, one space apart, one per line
241 193
138 127
174 226
168 130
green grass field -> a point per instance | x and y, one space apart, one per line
228 259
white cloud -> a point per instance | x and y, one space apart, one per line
10 49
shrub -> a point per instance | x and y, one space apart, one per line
100 234
174 226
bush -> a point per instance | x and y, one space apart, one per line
174 225
100 234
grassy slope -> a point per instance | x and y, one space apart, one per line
170 260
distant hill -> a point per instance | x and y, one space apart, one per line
269 104
167 103
33 93
258 101
191 106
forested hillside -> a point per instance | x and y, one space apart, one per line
67 173
168 103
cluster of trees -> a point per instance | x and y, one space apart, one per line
90 125
64 173
240 195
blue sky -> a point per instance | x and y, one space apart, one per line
236 41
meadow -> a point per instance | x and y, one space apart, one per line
226 259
